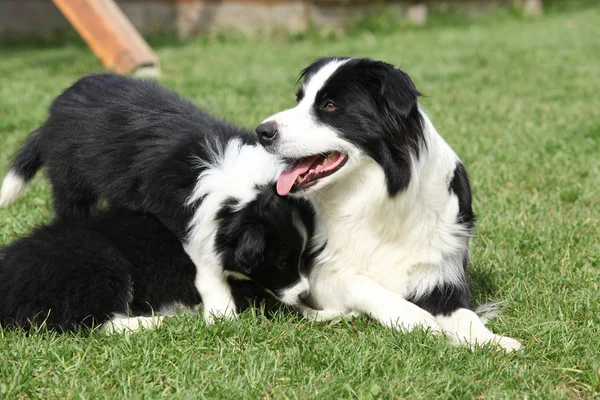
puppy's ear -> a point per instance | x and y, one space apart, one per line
250 248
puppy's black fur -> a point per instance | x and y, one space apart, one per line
76 273
127 141
143 148
240 238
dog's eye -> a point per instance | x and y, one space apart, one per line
282 257
329 106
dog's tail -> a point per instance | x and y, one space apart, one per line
488 311
26 163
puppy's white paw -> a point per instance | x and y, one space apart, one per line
129 325
211 315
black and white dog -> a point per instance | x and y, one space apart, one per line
144 148
392 199
119 270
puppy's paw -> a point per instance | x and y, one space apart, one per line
212 315
129 325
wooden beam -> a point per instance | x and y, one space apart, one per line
110 35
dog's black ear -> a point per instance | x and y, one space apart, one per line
396 93
396 98
250 248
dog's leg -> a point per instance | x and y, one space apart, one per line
463 326
211 282
215 291
124 324
362 294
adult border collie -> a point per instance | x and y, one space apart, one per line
392 199
119 270
144 148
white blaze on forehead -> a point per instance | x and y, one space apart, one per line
318 80
301 134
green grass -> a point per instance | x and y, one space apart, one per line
517 98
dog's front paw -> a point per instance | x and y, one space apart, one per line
409 321
326 315
506 343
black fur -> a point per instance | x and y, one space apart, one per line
127 141
141 147
378 112
448 297
461 187
444 300
29 159
243 238
79 273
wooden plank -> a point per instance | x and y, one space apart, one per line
110 35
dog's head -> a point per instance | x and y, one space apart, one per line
348 110
266 241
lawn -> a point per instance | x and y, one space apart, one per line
517 98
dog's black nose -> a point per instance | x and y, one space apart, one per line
267 131
303 296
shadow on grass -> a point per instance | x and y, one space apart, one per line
483 286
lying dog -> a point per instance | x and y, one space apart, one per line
144 148
392 199
119 270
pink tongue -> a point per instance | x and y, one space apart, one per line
288 177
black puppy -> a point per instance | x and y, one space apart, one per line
144 148
120 269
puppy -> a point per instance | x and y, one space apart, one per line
392 199
118 270
144 148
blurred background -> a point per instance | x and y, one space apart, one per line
114 28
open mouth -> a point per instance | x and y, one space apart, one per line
308 170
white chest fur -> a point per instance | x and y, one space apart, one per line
408 243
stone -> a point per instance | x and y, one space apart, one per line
416 13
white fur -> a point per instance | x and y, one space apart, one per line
169 310
236 275
12 187
379 250
124 324
234 171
